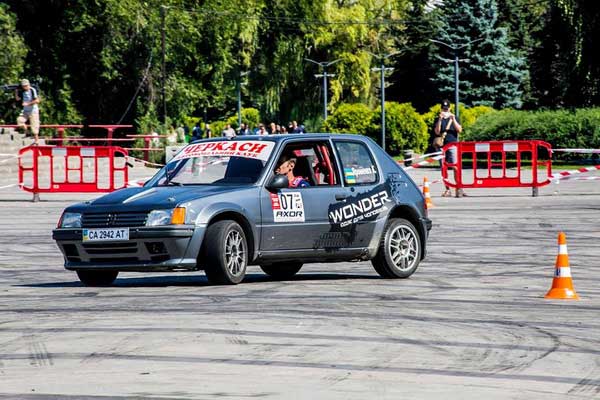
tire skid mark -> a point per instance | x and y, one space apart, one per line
294 314
44 396
586 386
38 353
119 347
238 334
325 366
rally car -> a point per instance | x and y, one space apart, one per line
276 201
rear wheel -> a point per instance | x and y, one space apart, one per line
97 278
225 253
281 271
399 251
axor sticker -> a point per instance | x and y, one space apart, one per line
287 207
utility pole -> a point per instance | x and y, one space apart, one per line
383 70
324 75
163 16
239 97
455 49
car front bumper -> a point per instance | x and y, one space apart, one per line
148 249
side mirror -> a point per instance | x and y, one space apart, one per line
278 182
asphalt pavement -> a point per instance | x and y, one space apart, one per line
471 323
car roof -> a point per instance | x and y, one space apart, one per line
278 138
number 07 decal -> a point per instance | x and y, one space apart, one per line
287 207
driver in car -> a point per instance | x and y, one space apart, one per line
285 166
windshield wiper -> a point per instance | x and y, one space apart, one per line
174 183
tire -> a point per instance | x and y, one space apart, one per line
225 253
399 251
281 271
97 278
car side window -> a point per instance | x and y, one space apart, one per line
358 166
313 163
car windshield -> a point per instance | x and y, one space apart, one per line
216 163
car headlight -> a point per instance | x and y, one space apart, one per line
70 220
173 216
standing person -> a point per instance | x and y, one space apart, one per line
207 131
172 136
228 132
273 128
29 99
262 130
196 132
180 134
296 128
244 129
448 128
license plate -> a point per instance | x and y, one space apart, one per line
104 235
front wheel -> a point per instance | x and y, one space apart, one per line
281 271
97 278
225 253
399 252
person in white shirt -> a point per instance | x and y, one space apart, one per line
228 132
29 99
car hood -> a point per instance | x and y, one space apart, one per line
159 196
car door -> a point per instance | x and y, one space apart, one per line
368 196
298 218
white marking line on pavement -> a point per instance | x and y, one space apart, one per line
8 186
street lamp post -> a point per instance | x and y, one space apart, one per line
239 98
455 49
324 75
163 17
383 70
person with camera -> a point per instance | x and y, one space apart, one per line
446 129
29 99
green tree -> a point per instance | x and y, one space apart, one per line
494 72
411 79
13 50
565 65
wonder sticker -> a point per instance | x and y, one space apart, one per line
260 150
362 207
287 207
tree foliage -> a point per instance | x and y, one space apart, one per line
100 61
13 50
565 65
493 73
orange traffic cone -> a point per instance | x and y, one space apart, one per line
428 202
562 284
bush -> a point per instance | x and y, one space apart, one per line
562 128
250 116
469 116
350 118
404 128
217 128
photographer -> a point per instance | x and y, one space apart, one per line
447 128
29 99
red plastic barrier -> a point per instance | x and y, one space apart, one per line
518 163
56 169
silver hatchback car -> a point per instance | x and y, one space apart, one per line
275 201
